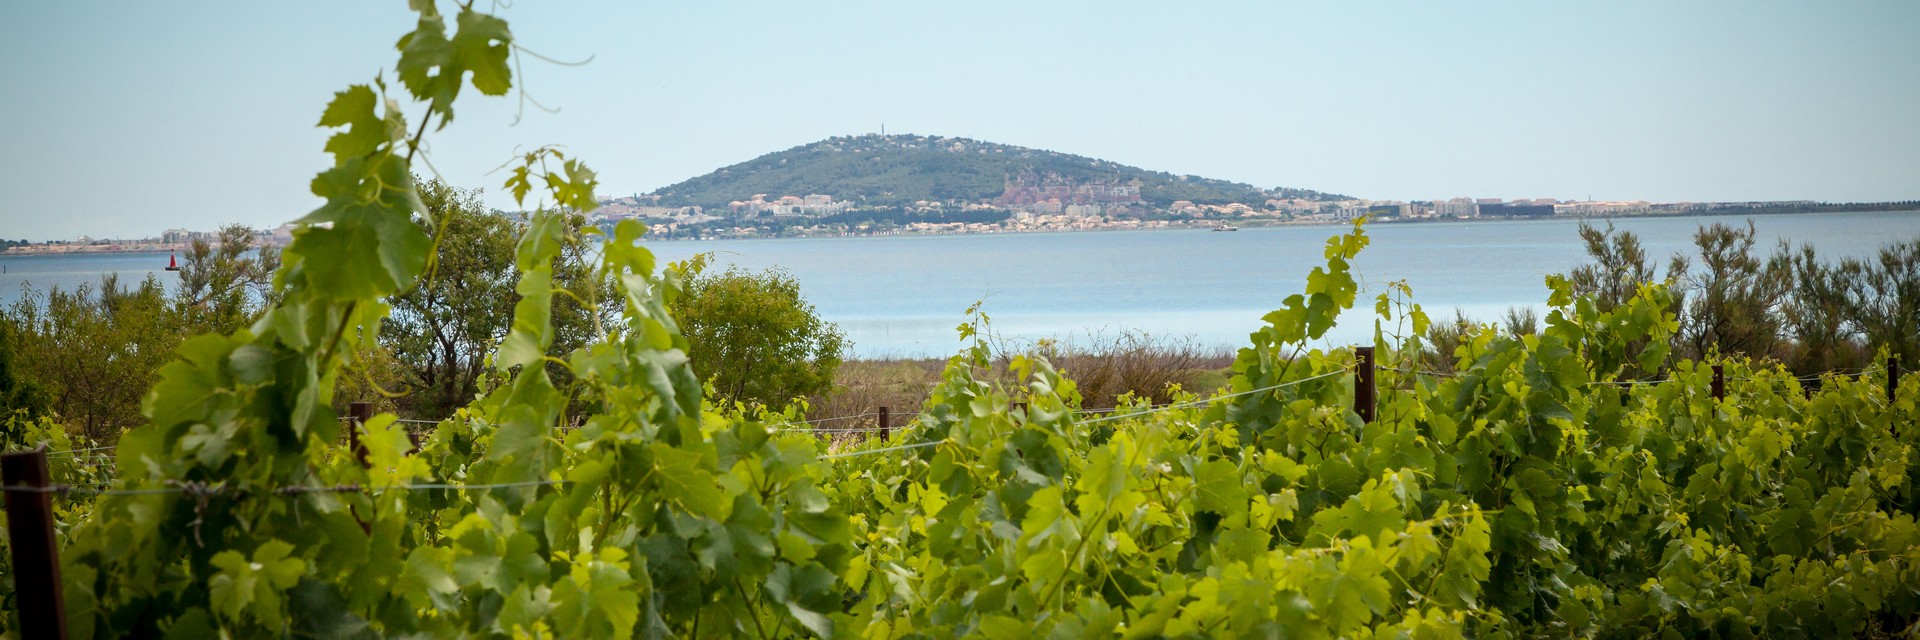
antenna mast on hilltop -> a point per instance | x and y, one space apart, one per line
883 129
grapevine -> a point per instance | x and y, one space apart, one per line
1547 485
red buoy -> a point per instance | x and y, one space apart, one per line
171 264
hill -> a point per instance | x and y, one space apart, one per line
899 170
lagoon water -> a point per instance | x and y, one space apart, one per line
19 273
903 295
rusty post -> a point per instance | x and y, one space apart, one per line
361 413
1893 378
1719 382
886 425
1363 389
36 555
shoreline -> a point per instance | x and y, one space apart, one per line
1209 225
142 249
1170 225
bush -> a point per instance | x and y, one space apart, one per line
754 338
1137 363
17 392
1885 298
1732 304
1444 339
95 350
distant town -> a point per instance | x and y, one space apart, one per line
171 240
1037 206
1030 204
911 184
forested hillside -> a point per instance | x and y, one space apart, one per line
899 170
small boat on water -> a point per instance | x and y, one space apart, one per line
172 265
1226 227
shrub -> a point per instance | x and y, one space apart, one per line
754 338
1138 363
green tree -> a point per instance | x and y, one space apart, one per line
90 354
225 282
1884 299
1618 269
1444 338
1817 315
754 338
1521 321
96 349
1733 303
17 392
442 329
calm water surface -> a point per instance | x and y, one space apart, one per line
69 271
902 296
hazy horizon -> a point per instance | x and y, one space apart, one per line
125 120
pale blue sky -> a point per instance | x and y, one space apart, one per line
126 118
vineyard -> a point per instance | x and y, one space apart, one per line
1574 482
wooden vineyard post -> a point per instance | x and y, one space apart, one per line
1363 402
1893 386
1893 378
360 412
885 427
1719 382
36 556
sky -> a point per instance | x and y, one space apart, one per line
123 119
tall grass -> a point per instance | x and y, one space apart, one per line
1132 362
1105 368
861 387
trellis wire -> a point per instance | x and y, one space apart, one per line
1206 401
202 489
1170 407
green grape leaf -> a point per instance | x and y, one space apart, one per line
254 586
1219 489
482 44
354 109
687 479
807 593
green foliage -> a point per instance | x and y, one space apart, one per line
74 462
1884 299
250 411
1817 316
899 170
1811 314
94 351
755 338
442 330
1522 493
90 354
1732 303
225 282
1618 269
18 393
